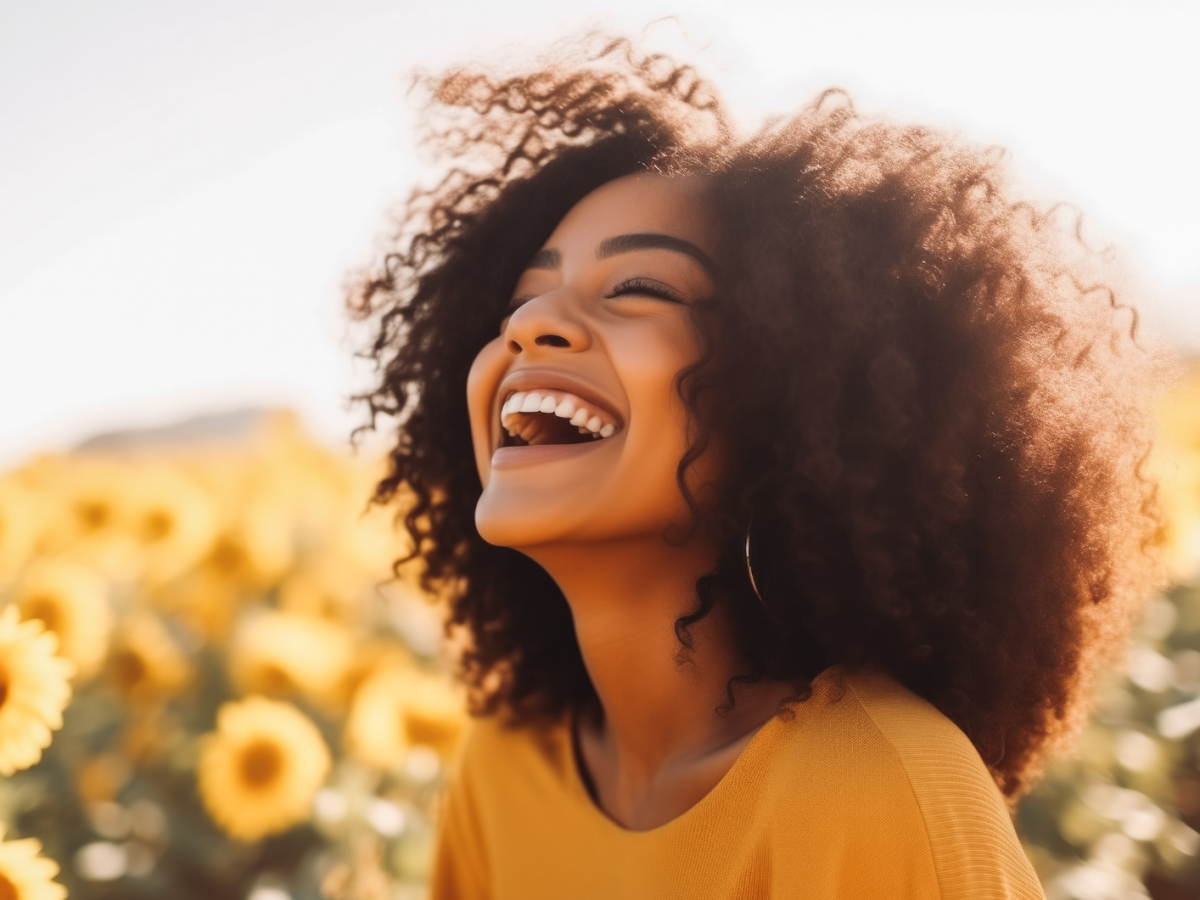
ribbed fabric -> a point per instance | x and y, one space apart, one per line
867 792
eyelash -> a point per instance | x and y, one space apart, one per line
629 286
644 286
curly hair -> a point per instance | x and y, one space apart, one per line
935 410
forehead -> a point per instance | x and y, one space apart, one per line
637 203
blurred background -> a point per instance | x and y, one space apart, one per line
184 191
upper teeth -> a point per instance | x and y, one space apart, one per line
560 403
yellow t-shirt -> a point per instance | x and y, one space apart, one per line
867 792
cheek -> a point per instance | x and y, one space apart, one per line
649 369
650 365
489 367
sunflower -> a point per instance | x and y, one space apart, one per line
366 536
88 494
259 547
172 519
204 600
1176 463
18 526
71 600
328 588
260 770
399 708
145 661
280 653
25 874
215 511
34 689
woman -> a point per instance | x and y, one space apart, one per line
787 487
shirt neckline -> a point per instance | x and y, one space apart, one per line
763 738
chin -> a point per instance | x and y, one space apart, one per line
516 525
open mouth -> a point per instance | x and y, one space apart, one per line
539 417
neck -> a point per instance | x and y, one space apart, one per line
658 707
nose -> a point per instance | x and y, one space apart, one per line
548 321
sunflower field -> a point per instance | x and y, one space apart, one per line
1120 818
212 684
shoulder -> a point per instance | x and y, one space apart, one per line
925 757
940 764
930 747
501 774
865 716
497 739
500 757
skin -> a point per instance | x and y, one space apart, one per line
597 518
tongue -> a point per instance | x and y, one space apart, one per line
547 428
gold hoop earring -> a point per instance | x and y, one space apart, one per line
749 570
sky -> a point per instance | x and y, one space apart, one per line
186 188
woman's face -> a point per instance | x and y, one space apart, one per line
577 426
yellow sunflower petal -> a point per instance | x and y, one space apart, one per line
279 652
145 661
34 689
399 708
172 518
20 526
87 522
259 771
27 875
71 601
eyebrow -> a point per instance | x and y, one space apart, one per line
628 243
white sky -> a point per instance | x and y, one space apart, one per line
184 186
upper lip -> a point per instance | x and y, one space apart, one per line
553 379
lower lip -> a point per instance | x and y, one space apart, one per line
537 453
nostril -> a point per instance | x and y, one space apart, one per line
552 340
514 348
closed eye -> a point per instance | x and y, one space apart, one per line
646 288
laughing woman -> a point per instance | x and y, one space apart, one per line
788 486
